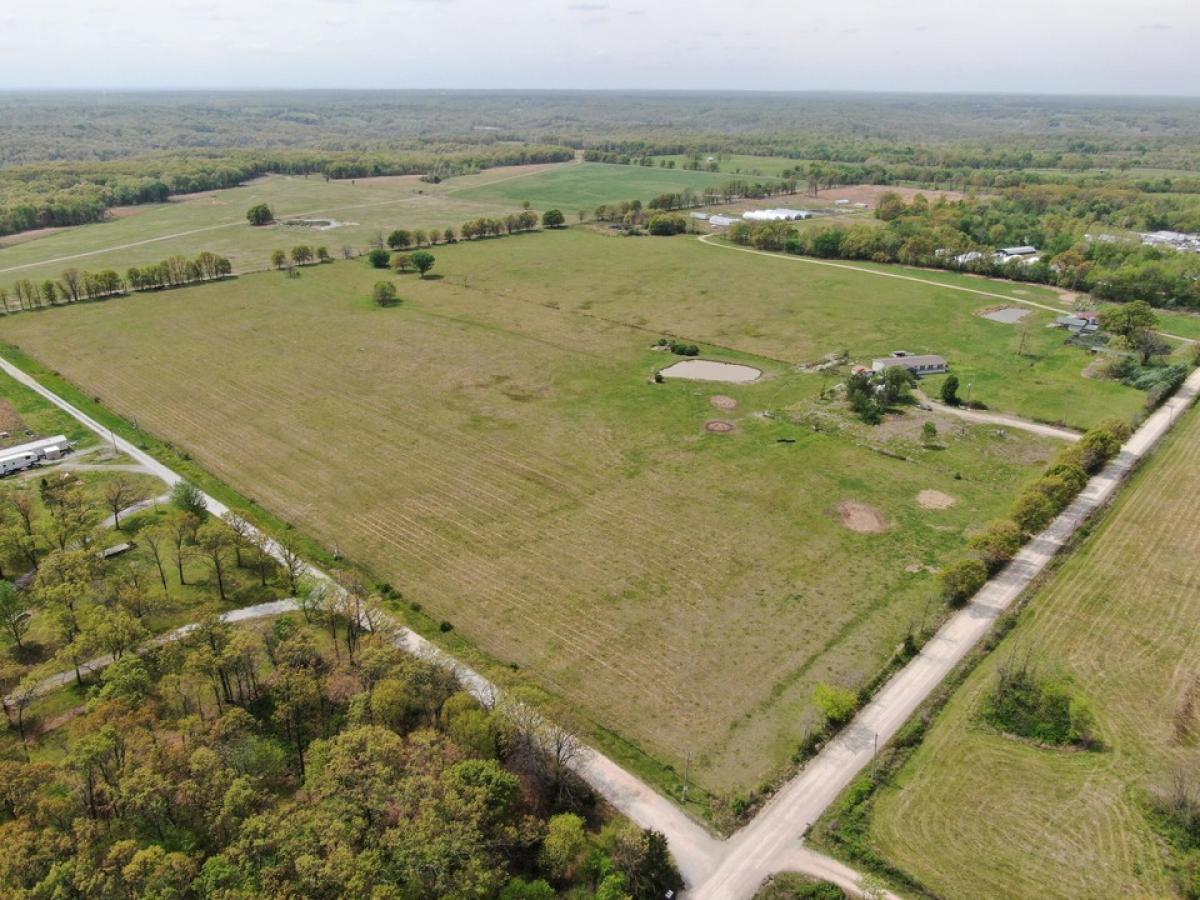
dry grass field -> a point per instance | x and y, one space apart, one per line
977 814
494 448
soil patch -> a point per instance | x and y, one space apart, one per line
1006 315
11 421
935 500
717 426
720 401
710 370
861 518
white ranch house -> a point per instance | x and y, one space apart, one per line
919 364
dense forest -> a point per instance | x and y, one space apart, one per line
67 158
1058 221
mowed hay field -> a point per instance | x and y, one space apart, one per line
494 447
363 207
975 814
587 185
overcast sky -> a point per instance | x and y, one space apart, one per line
1043 46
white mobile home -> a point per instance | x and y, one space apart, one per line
17 462
46 448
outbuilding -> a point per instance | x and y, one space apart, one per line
721 221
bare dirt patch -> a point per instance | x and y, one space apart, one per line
718 426
861 518
929 499
1005 315
10 420
720 401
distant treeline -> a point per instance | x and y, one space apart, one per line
75 285
56 194
964 235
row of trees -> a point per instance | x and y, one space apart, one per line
51 195
994 546
300 255
75 284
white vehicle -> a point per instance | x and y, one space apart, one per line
17 462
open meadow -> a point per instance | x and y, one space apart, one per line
495 448
977 813
356 212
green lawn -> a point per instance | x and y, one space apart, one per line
494 447
976 814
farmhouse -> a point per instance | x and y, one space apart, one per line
919 365
1080 323
776 215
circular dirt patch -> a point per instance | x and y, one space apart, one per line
861 518
718 427
720 401
935 500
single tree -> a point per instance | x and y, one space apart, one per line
379 258
278 259
400 239
402 262
423 261
190 499
213 540
950 391
384 293
260 214
302 254
120 493
553 218
14 612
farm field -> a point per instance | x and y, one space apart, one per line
216 220
494 448
974 813
740 165
587 185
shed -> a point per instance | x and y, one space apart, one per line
115 550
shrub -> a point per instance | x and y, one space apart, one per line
1040 709
929 432
836 703
667 225
189 498
960 580
996 544
681 349
379 258
1033 511
950 390
384 293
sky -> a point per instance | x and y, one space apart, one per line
1019 46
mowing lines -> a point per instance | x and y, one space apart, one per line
974 813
